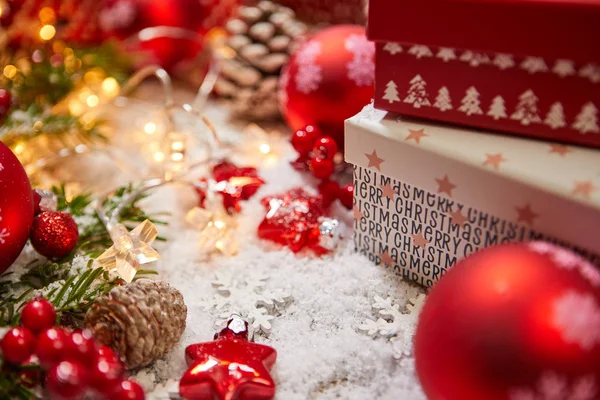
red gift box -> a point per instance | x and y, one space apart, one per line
328 11
528 67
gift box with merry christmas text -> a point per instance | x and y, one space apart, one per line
526 67
427 194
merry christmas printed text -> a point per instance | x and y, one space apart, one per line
414 231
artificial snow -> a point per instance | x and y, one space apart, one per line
322 353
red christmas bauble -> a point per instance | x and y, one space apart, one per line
513 322
167 47
16 207
54 234
328 79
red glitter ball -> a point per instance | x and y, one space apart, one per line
54 234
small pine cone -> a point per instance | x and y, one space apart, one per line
141 321
262 38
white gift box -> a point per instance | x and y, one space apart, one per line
428 194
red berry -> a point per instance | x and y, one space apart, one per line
304 139
106 352
128 390
321 168
325 147
54 234
66 380
347 196
51 345
29 377
329 190
106 374
38 314
81 347
17 345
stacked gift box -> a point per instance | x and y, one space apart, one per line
476 135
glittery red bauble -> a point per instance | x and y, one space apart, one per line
513 322
16 207
193 18
328 79
54 234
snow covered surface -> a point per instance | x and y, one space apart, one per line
319 304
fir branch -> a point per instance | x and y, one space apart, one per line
70 285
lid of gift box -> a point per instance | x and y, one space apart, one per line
549 187
543 28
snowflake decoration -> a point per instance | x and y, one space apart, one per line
361 70
245 293
446 54
309 75
121 15
395 324
534 64
552 386
568 260
420 51
4 234
577 317
564 68
474 59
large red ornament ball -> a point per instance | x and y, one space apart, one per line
513 322
54 234
16 207
328 79
193 18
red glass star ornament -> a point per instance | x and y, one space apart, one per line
229 368
297 219
233 183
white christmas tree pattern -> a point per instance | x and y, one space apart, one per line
497 109
417 94
552 386
534 65
556 116
474 59
391 92
245 293
590 71
420 51
446 54
394 324
587 120
503 61
443 101
361 70
393 48
526 110
470 104
564 68
577 317
309 75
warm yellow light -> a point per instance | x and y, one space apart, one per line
150 128
92 101
177 156
10 71
265 148
219 224
0 11
94 76
38 125
19 148
47 15
75 107
159 156
110 87
47 32
177 146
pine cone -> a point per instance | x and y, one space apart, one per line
261 37
141 321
